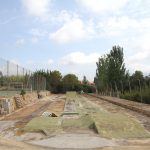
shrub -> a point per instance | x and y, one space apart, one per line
22 92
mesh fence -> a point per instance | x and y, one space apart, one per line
14 78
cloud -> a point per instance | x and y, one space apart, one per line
37 8
139 54
50 61
37 32
80 58
72 30
123 25
20 41
103 6
115 26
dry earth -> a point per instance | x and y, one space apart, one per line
75 138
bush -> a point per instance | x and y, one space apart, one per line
135 95
88 88
22 92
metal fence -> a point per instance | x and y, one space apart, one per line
14 78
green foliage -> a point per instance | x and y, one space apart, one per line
101 73
22 92
53 79
135 95
110 69
88 88
84 81
70 82
116 67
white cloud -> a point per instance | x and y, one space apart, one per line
80 58
37 8
20 41
115 26
37 32
50 61
103 6
73 30
118 26
140 53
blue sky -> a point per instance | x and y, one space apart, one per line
70 35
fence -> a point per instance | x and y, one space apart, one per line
138 90
14 78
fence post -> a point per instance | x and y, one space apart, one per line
122 86
129 86
140 90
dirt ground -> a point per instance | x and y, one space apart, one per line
55 103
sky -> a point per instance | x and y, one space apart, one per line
70 35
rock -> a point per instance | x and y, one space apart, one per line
49 114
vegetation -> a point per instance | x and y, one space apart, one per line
91 116
110 70
43 124
112 78
56 83
22 92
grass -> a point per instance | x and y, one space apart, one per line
91 116
110 125
10 93
118 126
71 95
84 122
43 124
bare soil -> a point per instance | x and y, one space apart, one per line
55 104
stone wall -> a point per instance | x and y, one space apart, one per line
8 105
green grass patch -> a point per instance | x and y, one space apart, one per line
118 126
71 95
84 122
110 125
44 124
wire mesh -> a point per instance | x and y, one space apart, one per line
14 78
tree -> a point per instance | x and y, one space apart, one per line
110 70
137 77
116 66
84 81
70 81
101 73
54 80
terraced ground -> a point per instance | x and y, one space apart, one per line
83 122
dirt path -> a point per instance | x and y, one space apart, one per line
20 118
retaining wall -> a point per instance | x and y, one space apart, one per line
8 105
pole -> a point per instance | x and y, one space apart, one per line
140 90
129 86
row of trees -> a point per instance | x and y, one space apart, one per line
113 78
57 83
